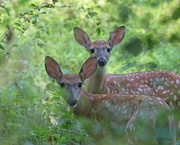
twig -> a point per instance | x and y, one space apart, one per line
15 44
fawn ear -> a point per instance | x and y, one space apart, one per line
88 68
116 36
52 68
82 37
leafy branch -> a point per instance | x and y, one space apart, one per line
22 24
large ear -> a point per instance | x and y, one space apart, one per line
116 36
52 68
88 68
82 37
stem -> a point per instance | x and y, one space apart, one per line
15 44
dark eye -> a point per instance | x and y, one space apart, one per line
79 85
92 50
62 85
108 50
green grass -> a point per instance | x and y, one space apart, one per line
28 96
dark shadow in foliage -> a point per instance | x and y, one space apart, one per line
165 18
176 13
129 65
150 40
124 12
150 65
133 46
175 37
145 20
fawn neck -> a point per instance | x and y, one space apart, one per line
97 83
85 104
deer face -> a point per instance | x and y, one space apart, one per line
71 84
100 49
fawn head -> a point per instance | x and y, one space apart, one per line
71 84
100 49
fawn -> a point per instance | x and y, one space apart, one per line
114 111
159 83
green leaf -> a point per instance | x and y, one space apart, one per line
98 30
43 12
33 5
55 1
2 47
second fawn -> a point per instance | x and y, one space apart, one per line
159 83
113 111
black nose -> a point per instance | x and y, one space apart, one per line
72 101
101 62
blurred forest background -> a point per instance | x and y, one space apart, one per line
31 30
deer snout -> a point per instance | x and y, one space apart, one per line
72 102
102 61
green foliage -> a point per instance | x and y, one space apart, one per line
31 30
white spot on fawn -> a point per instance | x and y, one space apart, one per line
161 102
137 93
123 90
168 91
160 88
150 99
133 92
177 82
164 92
142 81
128 85
159 99
146 81
172 82
108 78
139 89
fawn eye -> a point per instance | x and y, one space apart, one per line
108 50
62 85
79 85
92 50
